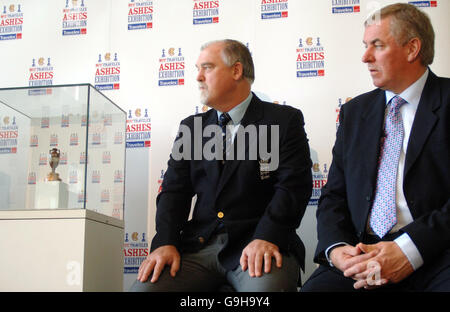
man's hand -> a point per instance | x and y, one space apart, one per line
394 266
345 257
157 260
257 252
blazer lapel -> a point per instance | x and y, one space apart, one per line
424 120
211 166
371 133
252 115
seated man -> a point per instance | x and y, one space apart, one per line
384 214
243 227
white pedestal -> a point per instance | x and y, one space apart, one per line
51 195
60 250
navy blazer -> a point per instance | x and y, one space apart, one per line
251 207
348 195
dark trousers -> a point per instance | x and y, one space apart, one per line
202 271
433 276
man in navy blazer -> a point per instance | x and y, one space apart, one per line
415 254
243 226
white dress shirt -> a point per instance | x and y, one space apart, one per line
236 115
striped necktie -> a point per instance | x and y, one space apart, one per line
224 119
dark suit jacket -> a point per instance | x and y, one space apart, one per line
348 195
253 208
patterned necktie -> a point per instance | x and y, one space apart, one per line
383 216
224 119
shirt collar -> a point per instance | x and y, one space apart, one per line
412 93
237 113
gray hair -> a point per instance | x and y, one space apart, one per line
409 22
234 51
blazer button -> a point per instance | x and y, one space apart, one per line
201 240
220 214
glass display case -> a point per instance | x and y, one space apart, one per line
61 147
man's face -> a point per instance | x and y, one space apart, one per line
215 78
386 59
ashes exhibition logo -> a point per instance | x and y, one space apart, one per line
140 14
139 128
320 178
171 68
11 22
75 18
345 6
205 12
310 58
41 73
338 109
274 9
107 73
135 249
9 133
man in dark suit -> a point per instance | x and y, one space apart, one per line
384 214
243 226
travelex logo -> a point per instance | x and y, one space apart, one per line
345 6
274 9
140 14
139 128
107 73
205 12
310 58
320 178
75 18
41 74
171 68
424 4
11 22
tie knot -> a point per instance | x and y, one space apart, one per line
397 102
224 119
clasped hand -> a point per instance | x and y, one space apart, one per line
372 266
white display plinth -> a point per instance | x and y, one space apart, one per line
60 250
51 195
